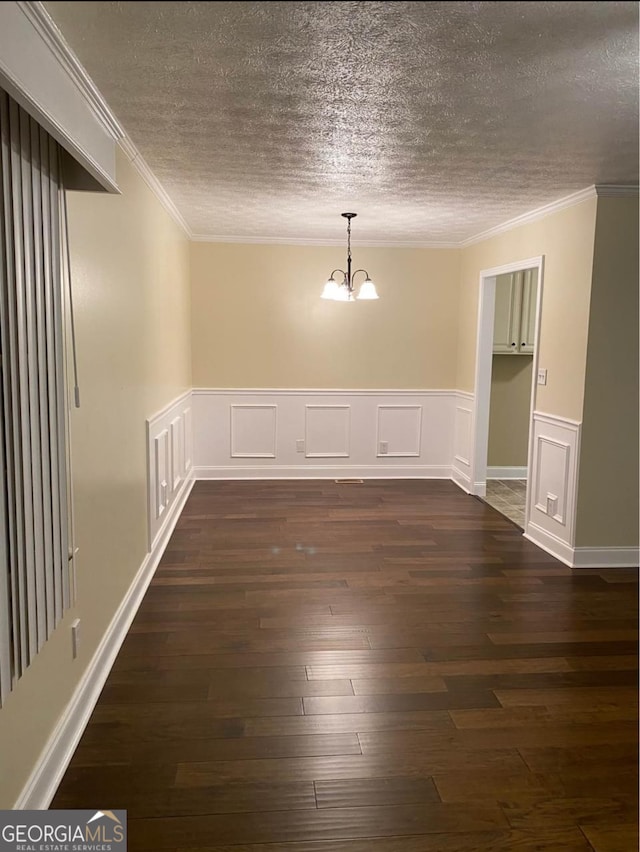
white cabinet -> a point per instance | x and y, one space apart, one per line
528 312
515 313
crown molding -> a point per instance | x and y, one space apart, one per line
532 215
144 170
609 190
595 191
308 241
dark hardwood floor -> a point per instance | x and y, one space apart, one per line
385 667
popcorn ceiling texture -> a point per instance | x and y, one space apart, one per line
435 121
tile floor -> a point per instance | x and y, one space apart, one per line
508 497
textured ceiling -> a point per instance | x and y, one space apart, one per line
435 121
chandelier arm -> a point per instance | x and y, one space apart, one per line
360 270
341 271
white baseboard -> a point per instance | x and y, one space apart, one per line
396 471
479 489
461 480
605 557
56 755
583 557
506 472
550 543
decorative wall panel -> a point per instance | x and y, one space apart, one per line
253 431
177 451
462 435
462 432
553 459
161 467
327 429
188 438
399 431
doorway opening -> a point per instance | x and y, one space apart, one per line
506 375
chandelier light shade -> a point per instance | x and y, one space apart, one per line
343 290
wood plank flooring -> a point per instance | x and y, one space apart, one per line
385 667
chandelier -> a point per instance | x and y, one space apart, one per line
343 291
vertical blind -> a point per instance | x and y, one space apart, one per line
35 588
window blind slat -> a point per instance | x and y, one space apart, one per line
20 407
23 215
58 323
47 387
32 227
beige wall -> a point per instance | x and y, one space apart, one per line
608 482
510 410
566 241
130 264
258 320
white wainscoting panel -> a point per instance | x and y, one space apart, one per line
327 431
169 463
188 437
324 433
553 484
177 451
399 431
253 431
462 431
552 464
161 466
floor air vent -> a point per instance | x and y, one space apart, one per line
348 481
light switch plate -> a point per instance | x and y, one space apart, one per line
384 448
542 376
300 446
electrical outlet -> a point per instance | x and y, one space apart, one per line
384 448
75 637
542 376
300 446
